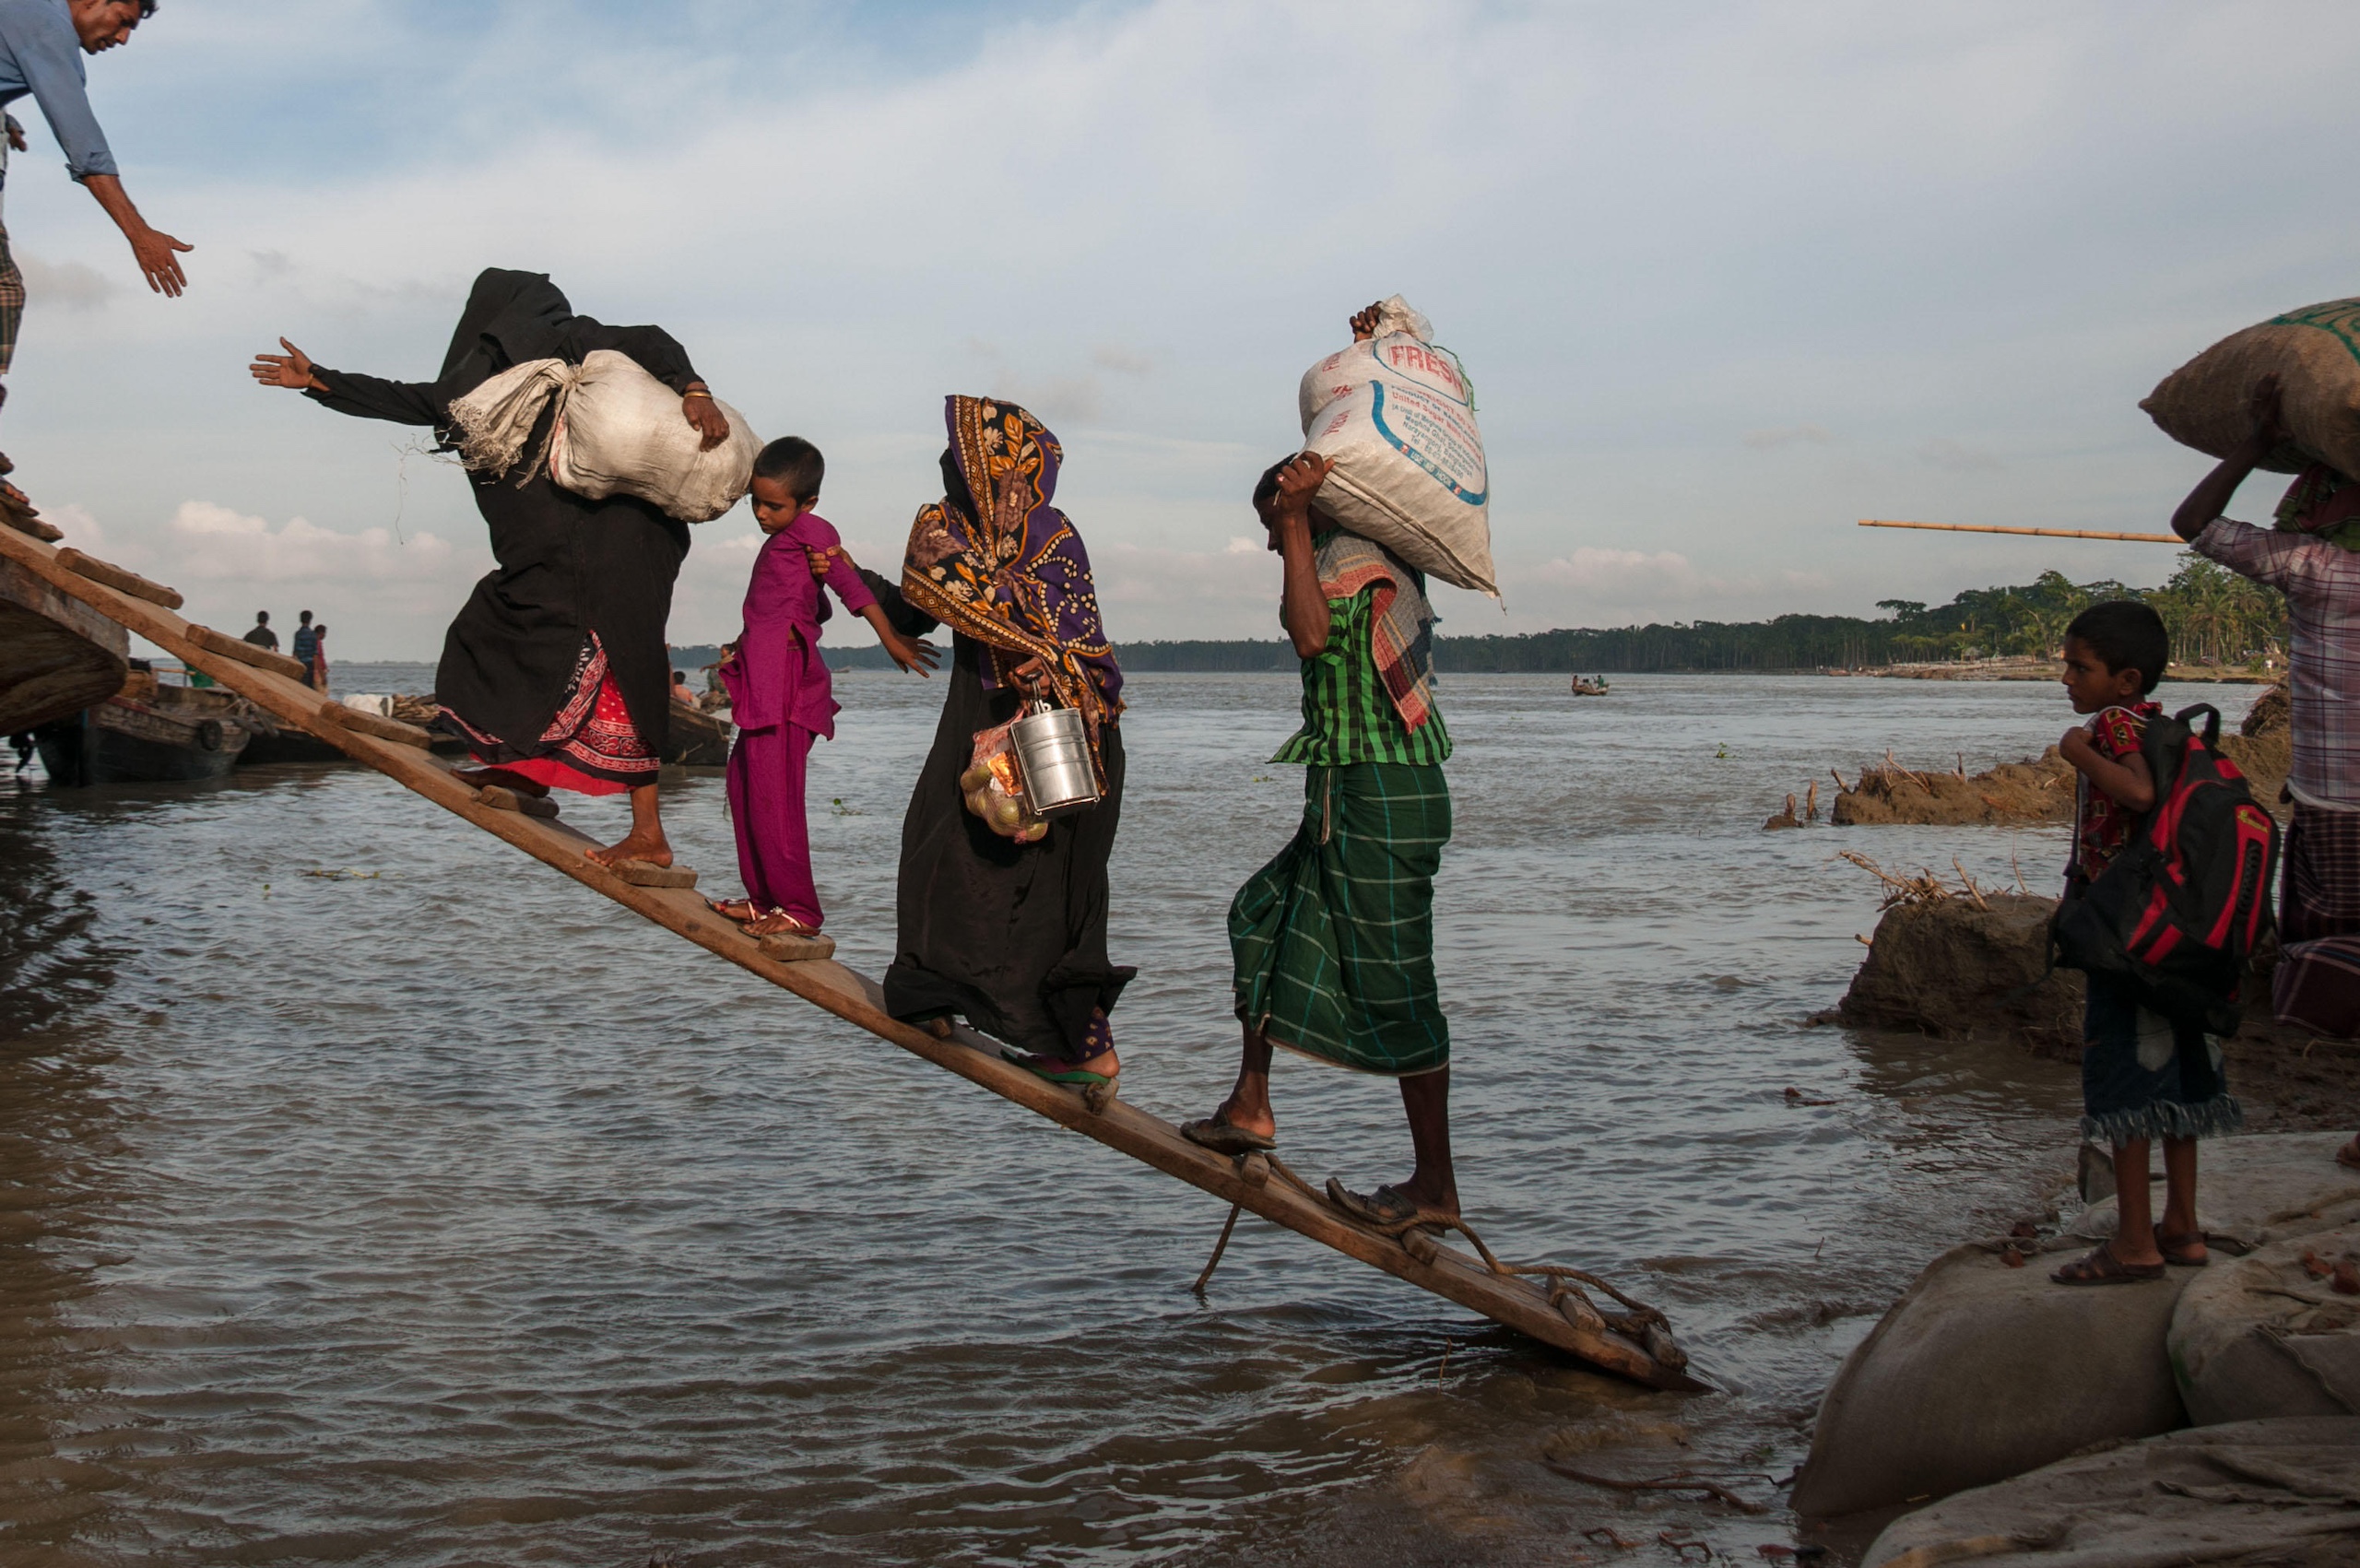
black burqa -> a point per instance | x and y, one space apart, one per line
568 566
1010 937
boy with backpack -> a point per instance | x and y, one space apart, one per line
2148 1068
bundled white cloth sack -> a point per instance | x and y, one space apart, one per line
1397 417
618 431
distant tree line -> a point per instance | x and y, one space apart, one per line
2216 616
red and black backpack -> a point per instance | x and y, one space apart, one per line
2182 908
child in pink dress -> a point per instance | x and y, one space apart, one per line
779 691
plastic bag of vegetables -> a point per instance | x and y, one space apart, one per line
994 787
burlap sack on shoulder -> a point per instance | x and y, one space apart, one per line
2314 351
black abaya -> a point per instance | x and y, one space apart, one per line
567 566
1010 937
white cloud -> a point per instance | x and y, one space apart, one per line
72 285
1645 230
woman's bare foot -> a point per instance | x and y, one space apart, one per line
480 775
654 848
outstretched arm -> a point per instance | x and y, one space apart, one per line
368 397
837 569
152 248
2213 493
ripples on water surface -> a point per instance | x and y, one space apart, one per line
376 1196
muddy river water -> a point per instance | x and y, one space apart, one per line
372 1195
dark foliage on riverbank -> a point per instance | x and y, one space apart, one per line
2214 616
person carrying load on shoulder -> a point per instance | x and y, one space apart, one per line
781 696
2149 1067
41 43
1332 942
554 672
2312 555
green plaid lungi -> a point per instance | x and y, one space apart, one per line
12 303
1334 941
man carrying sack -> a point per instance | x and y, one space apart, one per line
1333 941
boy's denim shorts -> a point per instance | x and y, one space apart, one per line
2147 1076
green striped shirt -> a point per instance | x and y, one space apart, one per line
1346 717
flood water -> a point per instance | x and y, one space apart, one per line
369 1194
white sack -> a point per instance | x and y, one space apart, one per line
618 431
1397 417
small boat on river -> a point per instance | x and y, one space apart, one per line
147 733
1589 685
698 740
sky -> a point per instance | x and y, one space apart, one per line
1727 278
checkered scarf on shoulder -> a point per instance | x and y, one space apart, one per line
1402 632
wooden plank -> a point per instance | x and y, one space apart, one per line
2040 533
377 724
228 647
114 576
858 1000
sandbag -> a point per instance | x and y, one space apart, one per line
1983 1372
2314 351
2289 1489
2260 1335
1396 416
618 431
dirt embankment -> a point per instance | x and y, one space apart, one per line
1971 965
2039 789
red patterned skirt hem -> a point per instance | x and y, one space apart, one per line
590 747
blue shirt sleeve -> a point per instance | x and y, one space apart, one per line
38 35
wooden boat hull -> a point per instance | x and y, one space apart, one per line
57 654
124 740
698 740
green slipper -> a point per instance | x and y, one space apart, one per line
1075 1077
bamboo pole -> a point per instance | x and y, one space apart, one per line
859 1000
2041 532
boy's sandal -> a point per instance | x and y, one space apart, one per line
2100 1267
778 923
1223 1136
739 910
2174 1249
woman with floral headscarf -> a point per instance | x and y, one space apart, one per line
1011 937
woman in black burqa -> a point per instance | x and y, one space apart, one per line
1010 937
555 671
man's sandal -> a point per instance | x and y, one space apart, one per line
2100 1267
1384 1208
2174 1249
1222 1136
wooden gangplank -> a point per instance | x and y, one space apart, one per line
1509 1299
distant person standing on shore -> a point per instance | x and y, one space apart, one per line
1332 942
260 635
41 43
555 670
306 645
2309 556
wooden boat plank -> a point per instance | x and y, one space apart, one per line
858 1000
